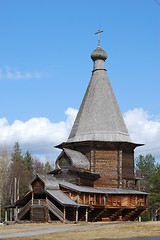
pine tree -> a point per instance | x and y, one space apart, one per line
4 179
150 183
28 162
154 198
16 155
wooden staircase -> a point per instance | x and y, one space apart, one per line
137 214
116 214
131 215
100 216
38 211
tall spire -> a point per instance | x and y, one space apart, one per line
99 117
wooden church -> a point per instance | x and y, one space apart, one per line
94 177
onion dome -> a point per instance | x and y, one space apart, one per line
99 53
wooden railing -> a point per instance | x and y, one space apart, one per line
24 210
58 213
39 202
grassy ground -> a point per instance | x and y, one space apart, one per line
104 232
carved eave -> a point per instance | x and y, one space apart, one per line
79 172
116 145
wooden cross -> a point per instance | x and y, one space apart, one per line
99 32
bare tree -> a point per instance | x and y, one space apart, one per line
5 162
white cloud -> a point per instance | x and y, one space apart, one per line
38 135
145 129
13 73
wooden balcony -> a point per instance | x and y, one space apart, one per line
126 201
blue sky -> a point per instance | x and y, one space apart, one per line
45 67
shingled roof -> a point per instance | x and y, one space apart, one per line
77 158
99 117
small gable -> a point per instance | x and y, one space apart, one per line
64 163
72 159
43 182
37 185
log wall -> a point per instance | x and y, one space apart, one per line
116 168
106 166
128 165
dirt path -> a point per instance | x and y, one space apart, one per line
19 230
119 230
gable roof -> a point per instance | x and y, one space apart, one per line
49 181
77 159
99 117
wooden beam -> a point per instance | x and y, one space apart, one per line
6 219
86 214
120 168
77 214
64 214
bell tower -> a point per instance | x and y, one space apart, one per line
99 131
